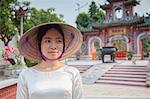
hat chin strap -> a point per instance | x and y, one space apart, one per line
45 58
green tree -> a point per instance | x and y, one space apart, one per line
38 16
16 19
93 9
42 16
100 16
7 27
95 14
83 20
146 47
10 26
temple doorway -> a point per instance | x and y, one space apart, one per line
120 42
94 44
144 45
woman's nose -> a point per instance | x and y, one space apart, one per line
53 46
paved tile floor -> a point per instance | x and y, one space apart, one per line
109 91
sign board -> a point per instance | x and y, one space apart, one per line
117 31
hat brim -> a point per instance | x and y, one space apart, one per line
28 45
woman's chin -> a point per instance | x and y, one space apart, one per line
53 57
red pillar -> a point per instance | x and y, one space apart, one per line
142 50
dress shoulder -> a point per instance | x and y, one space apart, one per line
25 72
74 71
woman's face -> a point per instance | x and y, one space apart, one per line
52 44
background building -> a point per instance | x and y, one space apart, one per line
122 28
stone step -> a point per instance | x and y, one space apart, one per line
123 79
132 75
118 97
129 66
124 76
126 73
127 70
143 68
143 84
81 66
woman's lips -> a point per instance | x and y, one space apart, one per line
52 52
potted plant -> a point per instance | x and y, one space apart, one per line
130 55
98 52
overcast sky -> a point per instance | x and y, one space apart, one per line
68 7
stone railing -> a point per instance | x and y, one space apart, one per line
8 89
148 74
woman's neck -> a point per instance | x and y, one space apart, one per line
49 65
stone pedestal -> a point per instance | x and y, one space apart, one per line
2 69
8 72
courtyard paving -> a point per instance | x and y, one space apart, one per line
93 90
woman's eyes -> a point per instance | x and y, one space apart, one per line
57 41
47 41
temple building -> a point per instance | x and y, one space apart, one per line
122 28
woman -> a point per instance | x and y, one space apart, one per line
48 44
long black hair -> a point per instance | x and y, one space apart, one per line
42 31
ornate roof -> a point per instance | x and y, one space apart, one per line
126 3
86 29
131 2
105 6
146 22
134 20
139 21
110 1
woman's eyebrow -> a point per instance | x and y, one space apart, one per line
58 37
47 38
52 38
